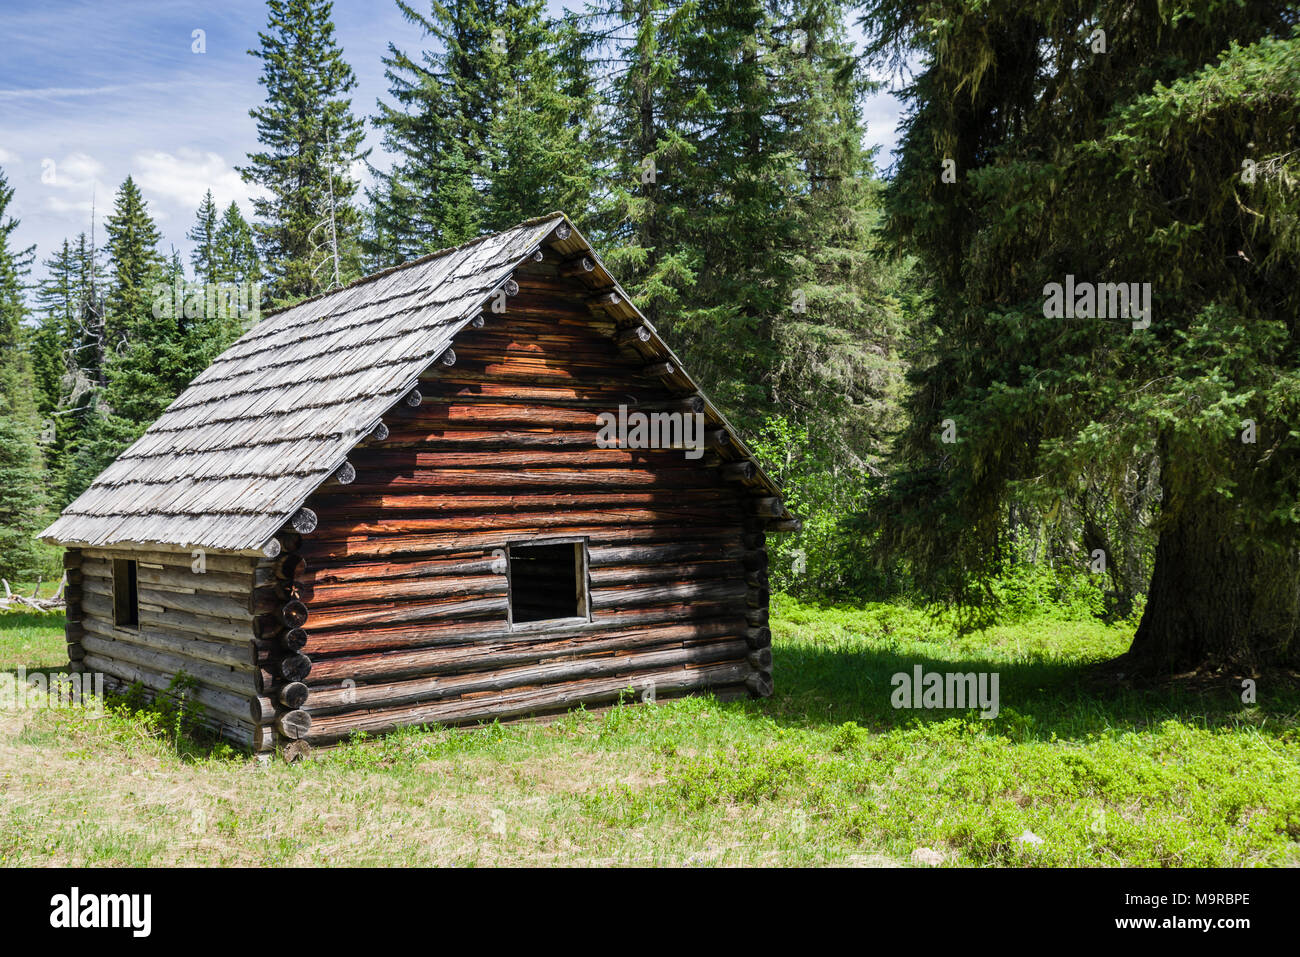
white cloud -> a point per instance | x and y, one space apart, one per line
73 184
181 179
9 158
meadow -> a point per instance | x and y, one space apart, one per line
1075 769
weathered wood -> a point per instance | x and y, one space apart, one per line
759 684
294 724
525 701
413 399
738 471
448 358
293 695
290 566
760 658
506 650
433 688
633 336
661 369
758 636
379 432
345 474
304 521
170 662
785 525
581 266
239 656
221 704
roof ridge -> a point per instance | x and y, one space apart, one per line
427 257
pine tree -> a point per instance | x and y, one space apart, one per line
204 236
235 253
22 497
311 139
489 126
135 267
136 356
1067 162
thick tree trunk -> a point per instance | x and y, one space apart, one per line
1219 597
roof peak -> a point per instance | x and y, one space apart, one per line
421 260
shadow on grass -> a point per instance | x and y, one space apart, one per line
829 686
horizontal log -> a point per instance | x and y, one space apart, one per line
356 616
401 636
739 471
525 701
760 658
633 336
434 688
758 636
482 656
233 728
367 548
214 561
581 266
223 677
222 705
237 655
229 607
623 597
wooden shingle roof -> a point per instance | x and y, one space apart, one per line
234 457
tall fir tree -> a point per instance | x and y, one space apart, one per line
489 125
136 351
203 234
22 487
307 222
235 253
1033 158
134 267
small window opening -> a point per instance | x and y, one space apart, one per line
548 581
126 596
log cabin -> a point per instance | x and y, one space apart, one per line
428 498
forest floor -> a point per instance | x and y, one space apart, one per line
826 772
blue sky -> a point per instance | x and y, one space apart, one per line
93 91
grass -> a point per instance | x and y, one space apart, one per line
826 772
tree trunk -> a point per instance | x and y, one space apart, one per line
1220 596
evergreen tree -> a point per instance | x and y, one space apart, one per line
308 220
1107 158
135 266
204 236
235 252
489 126
136 356
22 497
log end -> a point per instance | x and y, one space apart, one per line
293 724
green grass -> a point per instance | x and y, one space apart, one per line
825 772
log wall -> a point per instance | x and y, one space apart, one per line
402 578
199 623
